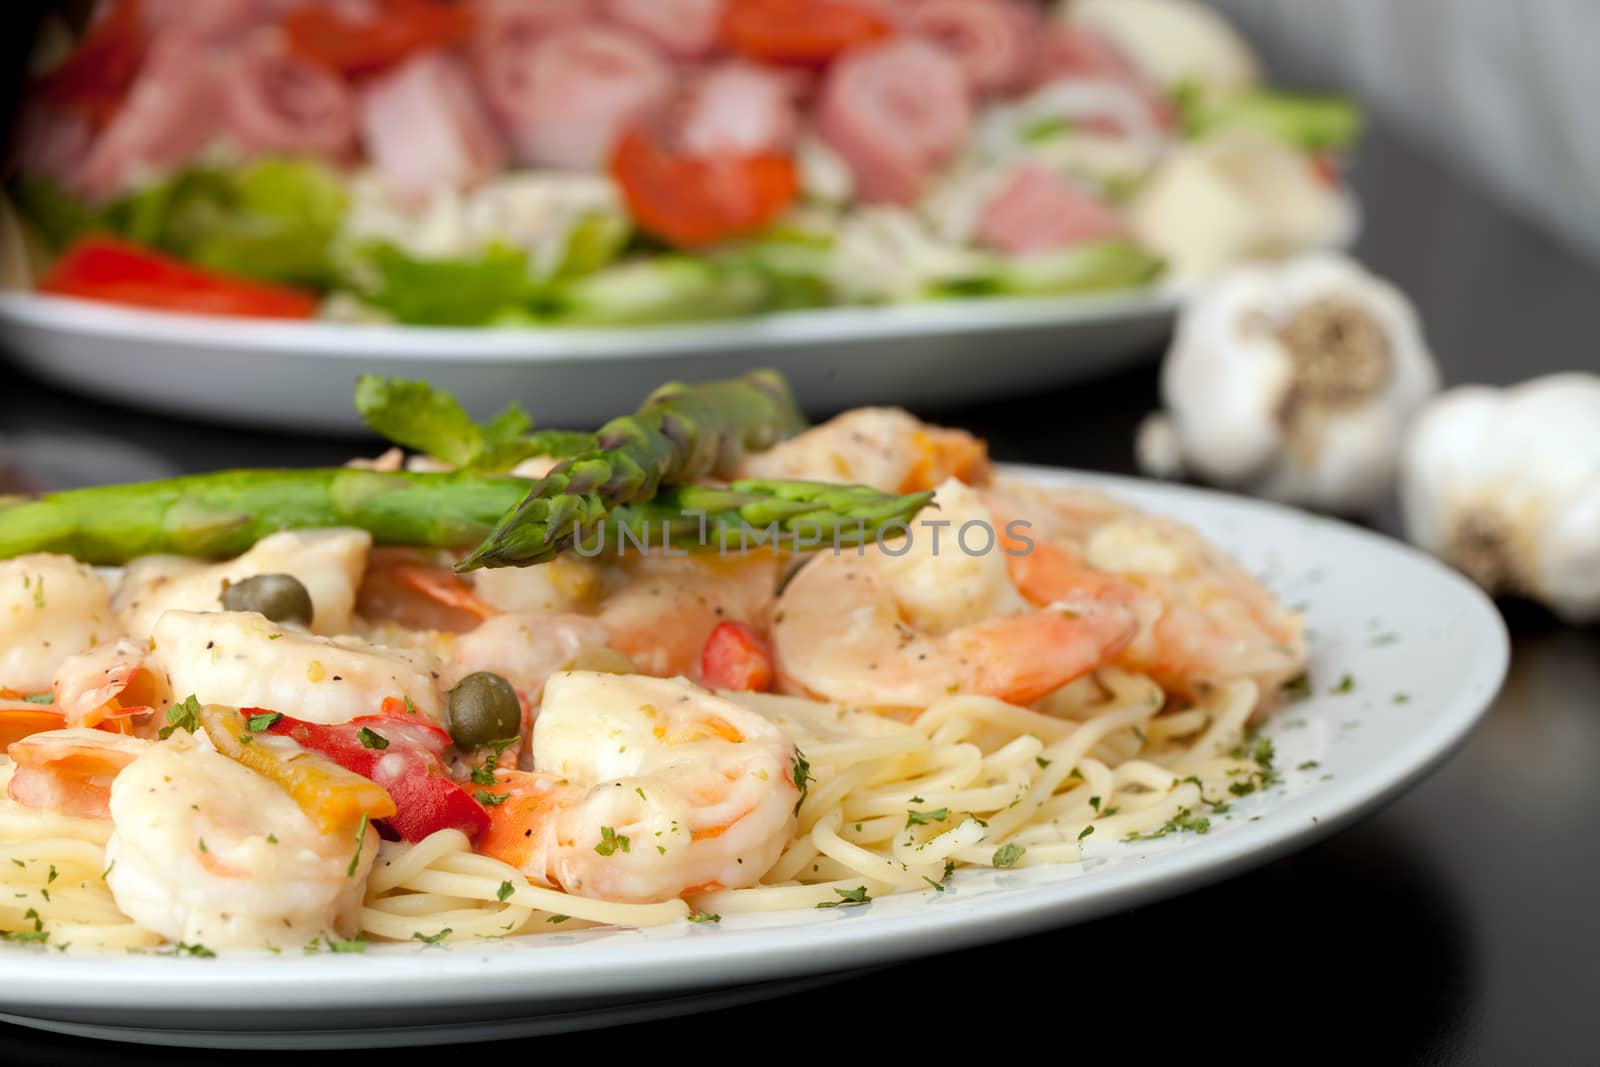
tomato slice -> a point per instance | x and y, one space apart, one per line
103 268
402 754
807 32
693 201
353 46
95 77
735 658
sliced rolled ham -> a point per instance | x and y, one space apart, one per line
174 109
896 112
279 101
683 29
1069 53
737 108
1036 211
993 40
563 97
426 129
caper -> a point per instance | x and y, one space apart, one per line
483 708
280 597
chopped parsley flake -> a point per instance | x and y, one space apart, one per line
558 918
184 716
431 939
921 818
1008 855
1087 830
262 722
1183 822
848 898
494 800
361 840
704 917
610 841
504 892
370 738
40 698
1347 684
483 774
802 777
354 944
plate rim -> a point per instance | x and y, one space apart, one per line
802 327
322 983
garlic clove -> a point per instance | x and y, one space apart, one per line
1296 380
1505 485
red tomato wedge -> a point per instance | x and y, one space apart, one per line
95 77
735 658
807 32
400 753
354 46
693 201
102 268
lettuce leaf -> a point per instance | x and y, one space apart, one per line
274 219
1312 123
441 292
1104 266
667 288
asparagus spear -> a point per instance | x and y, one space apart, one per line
223 514
680 434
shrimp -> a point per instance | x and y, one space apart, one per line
645 789
51 607
906 624
328 563
111 681
71 771
565 584
660 610
525 650
244 660
885 448
204 850
1204 620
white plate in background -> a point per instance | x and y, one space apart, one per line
299 375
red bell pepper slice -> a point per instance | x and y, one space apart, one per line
103 268
808 32
735 658
356 46
400 753
695 201
95 76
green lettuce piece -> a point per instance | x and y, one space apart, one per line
792 266
1100 267
59 216
1311 122
667 288
442 292
273 220
594 241
417 416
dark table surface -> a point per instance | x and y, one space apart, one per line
1459 925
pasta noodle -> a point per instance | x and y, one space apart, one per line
969 781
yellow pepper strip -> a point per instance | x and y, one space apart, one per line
333 798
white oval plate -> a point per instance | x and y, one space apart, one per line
1424 651
299 375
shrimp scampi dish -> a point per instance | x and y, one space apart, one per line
701 662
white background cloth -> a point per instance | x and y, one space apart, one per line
1509 89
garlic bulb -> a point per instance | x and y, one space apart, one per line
1235 195
1174 43
1294 381
1505 485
